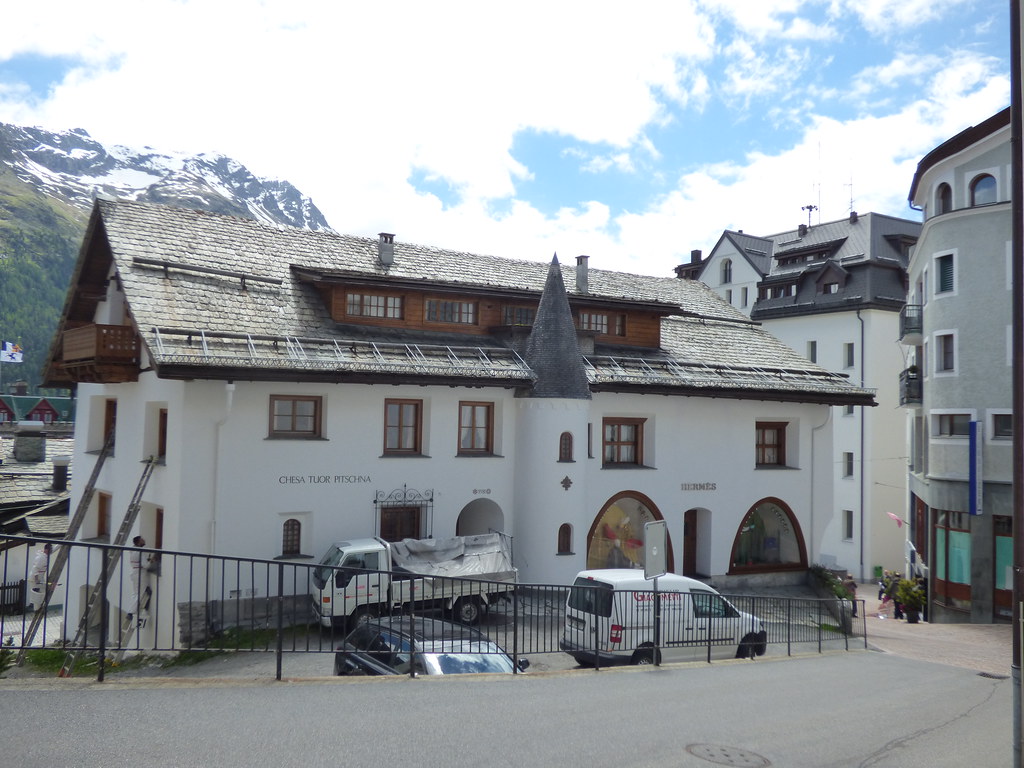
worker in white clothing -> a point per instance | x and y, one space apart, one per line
138 607
40 568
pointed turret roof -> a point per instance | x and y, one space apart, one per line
553 349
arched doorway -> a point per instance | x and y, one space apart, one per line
480 516
616 539
696 542
768 539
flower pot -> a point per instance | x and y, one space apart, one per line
913 615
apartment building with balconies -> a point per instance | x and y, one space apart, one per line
957 386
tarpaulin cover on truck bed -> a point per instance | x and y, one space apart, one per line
484 557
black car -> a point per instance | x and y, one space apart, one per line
390 646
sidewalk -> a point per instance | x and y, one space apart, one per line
986 648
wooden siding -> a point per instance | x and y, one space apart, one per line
643 329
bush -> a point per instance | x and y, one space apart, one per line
831 582
910 595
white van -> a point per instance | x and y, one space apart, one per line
609 618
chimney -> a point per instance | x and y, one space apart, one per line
695 255
29 441
801 230
60 473
386 249
853 217
582 272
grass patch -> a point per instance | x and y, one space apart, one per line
51 660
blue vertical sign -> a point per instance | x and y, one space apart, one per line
974 483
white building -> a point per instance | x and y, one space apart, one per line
300 387
833 291
958 330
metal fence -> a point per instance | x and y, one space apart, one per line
112 602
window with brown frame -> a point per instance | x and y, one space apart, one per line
403 427
103 505
592 321
512 315
110 421
622 442
397 523
565 539
161 434
476 428
370 305
291 540
565 447
771 443
443 311
295 416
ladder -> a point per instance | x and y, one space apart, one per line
131 622
110 561
60 559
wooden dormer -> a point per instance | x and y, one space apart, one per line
475 310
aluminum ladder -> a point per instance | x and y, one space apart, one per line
110 561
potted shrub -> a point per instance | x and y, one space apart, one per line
910 595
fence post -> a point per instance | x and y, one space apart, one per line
412 625
515 631
280 618
104 616
789 627
819 626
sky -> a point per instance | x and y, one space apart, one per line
629 132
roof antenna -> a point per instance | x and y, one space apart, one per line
809 209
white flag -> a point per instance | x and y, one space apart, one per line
10 352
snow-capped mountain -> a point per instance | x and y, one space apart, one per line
71 166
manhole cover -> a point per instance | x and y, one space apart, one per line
715 753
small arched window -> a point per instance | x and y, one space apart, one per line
983 190
292 538
565 539
727 271
565 447
943 199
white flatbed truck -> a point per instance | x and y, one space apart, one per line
462 576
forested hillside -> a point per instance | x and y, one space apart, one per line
39 239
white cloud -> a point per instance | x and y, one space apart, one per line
752 72
886 18
348 101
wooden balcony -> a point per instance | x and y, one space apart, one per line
106 354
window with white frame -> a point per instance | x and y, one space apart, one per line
951 424
945 275
847 464
945 352
983 190
1002 426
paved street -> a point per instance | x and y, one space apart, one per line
830 711
916 699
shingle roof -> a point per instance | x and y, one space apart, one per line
27 487
207 291
553 350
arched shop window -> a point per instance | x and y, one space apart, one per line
616 539
769 538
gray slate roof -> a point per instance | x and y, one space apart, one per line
274 320
28 502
